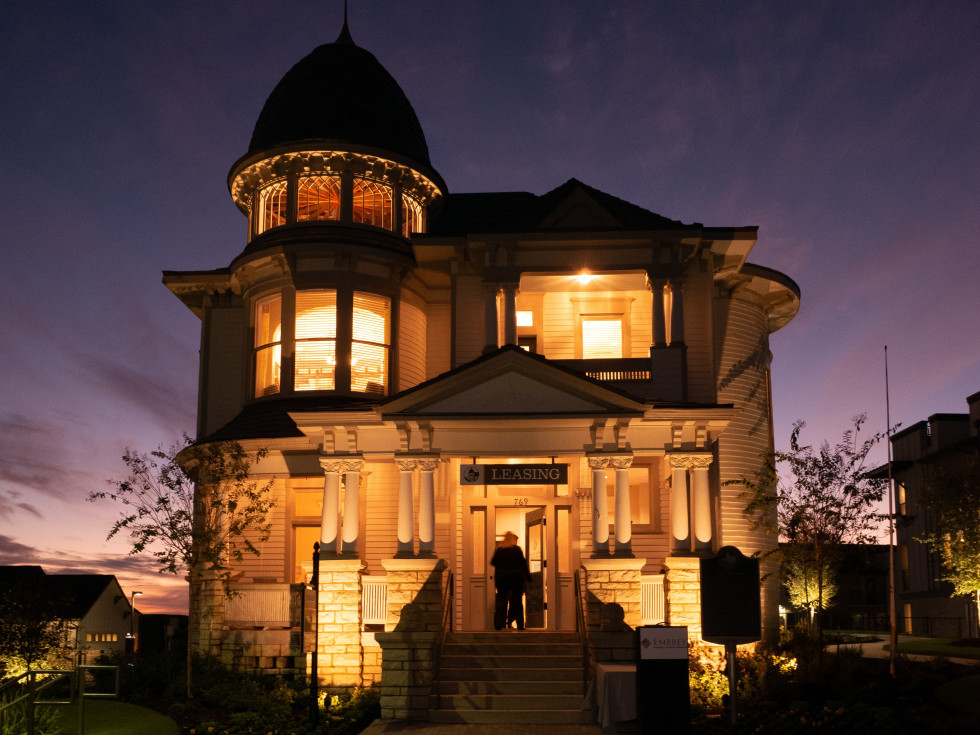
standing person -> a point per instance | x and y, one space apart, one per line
511 574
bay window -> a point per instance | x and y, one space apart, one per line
340 340
369 343
316 340
268 345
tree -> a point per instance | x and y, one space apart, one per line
193 507
953 496
799 577
33 623
817 500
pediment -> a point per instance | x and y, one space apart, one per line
510 383
579 211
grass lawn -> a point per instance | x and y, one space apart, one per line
938 647
111 717
962 694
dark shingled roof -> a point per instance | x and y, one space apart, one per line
269 418
341 92
521 211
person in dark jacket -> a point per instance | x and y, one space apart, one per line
510 576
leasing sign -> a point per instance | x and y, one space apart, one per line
513 474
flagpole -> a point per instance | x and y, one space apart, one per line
892 604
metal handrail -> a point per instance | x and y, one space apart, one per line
583 633
445 623
33 690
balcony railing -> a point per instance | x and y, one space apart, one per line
627 369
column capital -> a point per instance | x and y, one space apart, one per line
352 465
428 465
621 462
330 464
598 463
406 465
689 461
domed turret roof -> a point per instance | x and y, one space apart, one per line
340 92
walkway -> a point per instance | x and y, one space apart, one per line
876 649
392 727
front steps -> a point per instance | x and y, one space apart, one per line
510 677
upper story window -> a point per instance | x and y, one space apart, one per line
321 197
411 216
268 345
370 343
372 204
318 198
341 340
272 206
602 336
316 340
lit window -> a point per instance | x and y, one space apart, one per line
525 318
602 337
268 345
318 198
372 204
272 206
411 216
369 347
316 339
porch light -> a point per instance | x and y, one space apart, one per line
584 277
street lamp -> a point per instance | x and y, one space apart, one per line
132 618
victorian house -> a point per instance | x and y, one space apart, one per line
428 370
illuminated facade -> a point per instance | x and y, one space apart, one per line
386 340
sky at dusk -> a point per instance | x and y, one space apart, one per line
847 132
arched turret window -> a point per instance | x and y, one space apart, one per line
272 206
372 204
318 198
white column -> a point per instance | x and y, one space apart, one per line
702 500
331 505
677 311
659 315
600 512
406 510
624 518
427 506
490 316
352 505
680 523
510 314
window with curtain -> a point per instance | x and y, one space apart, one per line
268 345
316 340
602 336
370 343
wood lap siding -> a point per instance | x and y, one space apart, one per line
381 515
411 346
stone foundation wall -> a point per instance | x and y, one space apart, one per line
339 661
612 580
406 681
419 583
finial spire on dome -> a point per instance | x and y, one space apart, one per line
345 36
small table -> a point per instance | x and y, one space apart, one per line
615 694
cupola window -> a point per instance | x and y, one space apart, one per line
372 204
318 198
268 345
370 343
316 340
411 216
272 206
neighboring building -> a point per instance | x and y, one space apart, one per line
100 615
604 367
945 440
861 602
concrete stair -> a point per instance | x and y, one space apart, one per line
510 677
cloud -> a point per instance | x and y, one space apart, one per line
28 460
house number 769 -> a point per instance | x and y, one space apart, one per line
520 501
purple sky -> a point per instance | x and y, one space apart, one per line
848 132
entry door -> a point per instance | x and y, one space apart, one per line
535 543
